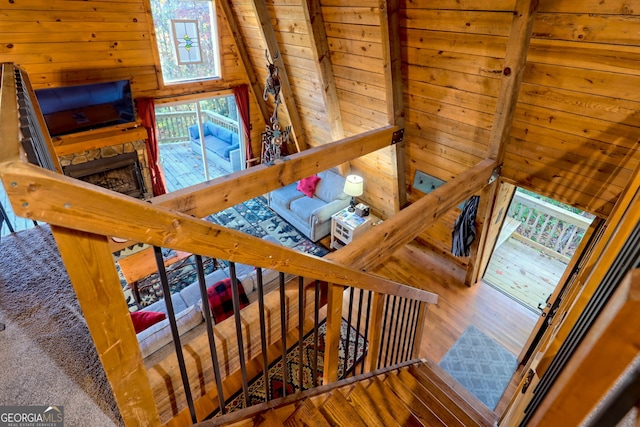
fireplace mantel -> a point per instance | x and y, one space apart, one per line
94 140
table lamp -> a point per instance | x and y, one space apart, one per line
353 187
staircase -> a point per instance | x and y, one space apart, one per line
416 393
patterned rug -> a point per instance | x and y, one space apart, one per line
256 218
481 365
256 386
253 217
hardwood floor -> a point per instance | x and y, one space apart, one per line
498 316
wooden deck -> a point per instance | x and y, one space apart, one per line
523 273
182 168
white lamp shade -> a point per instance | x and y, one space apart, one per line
353 186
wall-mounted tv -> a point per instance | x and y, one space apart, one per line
71 109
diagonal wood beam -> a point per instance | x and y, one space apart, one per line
269 35
392 63
245 58
322 59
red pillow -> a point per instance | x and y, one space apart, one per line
308 185
144 319
221 300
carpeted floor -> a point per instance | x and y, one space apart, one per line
46 352
481 365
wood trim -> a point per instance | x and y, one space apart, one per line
218 194
96 141
89 263
603 355
322 58
269 35
245 57
10 148
381 241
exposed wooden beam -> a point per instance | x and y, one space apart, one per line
322 59
269 35
223 192
392 62
245 58
89 262
381 241
512 71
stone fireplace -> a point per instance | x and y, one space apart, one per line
123 168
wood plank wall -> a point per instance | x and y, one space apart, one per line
577 125
452 61
65 42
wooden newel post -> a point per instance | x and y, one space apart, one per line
90 266
332 340
375 332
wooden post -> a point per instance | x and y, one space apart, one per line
332 338
91 269
375 332
417 342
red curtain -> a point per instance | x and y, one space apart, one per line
147 112
241 94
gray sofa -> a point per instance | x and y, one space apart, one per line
223 146
311 215
188 306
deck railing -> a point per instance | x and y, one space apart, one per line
174 126
549 228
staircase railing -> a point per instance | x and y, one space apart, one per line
84 216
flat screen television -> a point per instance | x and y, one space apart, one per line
72 109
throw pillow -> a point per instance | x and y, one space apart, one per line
144 319
308 185
221 300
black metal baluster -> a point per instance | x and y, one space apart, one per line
346 345
384 327
300 330
283 330
316 313
164 281
391 320
399 329
407 330
355 356
366 331
263 335
235 295
212 339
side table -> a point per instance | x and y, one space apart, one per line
346 226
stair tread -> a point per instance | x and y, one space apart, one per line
372 414
339 412
268 419
306 414
385 398
450 416
410 400
452 392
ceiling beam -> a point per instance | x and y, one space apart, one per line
322 59
269 35
392 63
245 58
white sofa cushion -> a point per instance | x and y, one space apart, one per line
157 336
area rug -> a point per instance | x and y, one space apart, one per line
256 218
481 365
58 363
357 350
253 217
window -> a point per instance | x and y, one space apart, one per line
182 127
187 39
